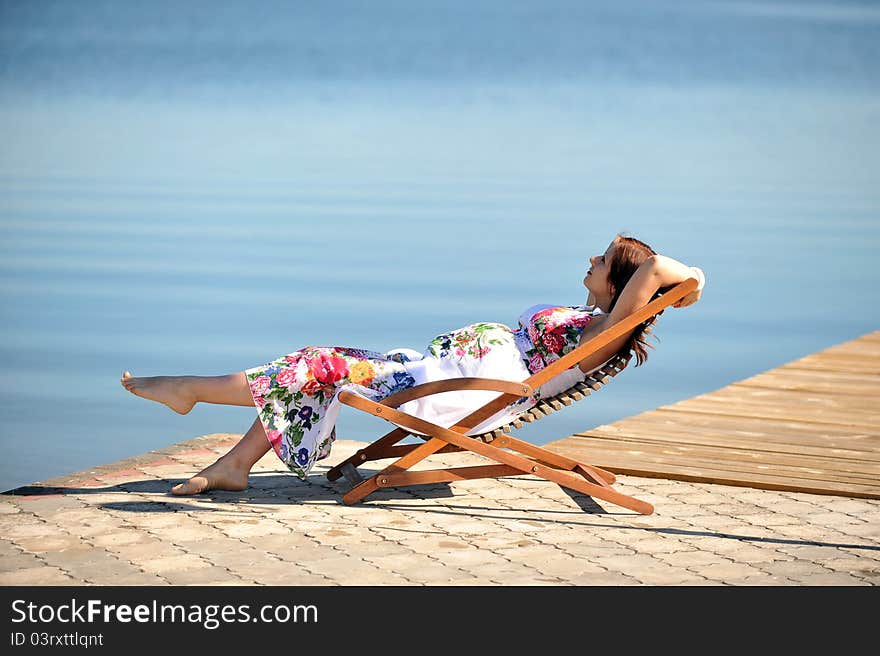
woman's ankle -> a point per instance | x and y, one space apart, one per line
235 462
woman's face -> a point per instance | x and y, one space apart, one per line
596 279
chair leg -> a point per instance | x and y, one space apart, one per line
373 451
555 459
423 477
360 491
593 473
370 485
563 478
575 481
351 474
440 437
600 490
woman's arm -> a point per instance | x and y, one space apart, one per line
656 272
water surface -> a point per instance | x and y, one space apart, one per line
198 189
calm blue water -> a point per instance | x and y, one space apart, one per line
198 189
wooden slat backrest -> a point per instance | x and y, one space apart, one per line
593 382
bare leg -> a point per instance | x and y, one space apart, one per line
181 393
229 472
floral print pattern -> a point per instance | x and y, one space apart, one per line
474 341
553 332
296 394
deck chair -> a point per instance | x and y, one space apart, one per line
511 456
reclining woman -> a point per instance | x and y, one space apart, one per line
296 395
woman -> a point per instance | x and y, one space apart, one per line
296 395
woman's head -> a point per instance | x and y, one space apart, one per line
610 271
608 276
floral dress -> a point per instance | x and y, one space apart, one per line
296 394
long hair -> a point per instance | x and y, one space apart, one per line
629 253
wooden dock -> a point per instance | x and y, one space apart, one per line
812 425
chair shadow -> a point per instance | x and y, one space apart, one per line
265 488
282 488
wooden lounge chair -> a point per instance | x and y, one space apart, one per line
511 457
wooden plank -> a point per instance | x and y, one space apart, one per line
836 357
836 363
865 368
842 449
737 459
790 382
626 461
864 346
749 429
794 394
811 425
785 416
831 376
866 349
745 389
684 417
770 403
632 462
807 405
724 477
645 445
841 353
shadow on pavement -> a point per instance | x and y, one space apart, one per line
282 488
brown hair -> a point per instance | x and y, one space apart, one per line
629 253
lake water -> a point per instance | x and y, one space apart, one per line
197 188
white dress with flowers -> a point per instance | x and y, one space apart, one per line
296 394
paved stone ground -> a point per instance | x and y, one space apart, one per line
117 525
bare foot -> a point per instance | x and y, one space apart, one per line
169 390
222 475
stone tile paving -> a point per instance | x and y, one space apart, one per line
118 525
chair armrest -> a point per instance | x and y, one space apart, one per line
456 385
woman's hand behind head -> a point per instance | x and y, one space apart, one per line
694 296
